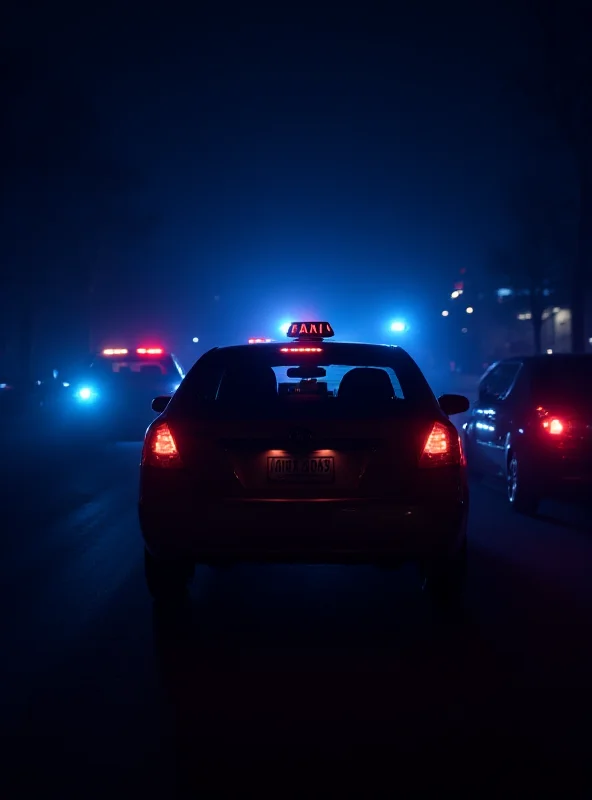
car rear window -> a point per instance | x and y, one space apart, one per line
339 380
564 379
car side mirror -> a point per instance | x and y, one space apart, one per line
453 404
160 403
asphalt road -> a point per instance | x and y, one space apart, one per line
336 677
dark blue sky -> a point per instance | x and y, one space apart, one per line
324 164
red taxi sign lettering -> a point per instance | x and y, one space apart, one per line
115 351
310 330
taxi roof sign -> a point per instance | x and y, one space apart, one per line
310 330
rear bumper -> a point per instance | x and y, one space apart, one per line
322 531
558 471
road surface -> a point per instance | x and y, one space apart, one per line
282 674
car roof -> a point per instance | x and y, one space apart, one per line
330 344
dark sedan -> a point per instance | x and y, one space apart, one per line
532 425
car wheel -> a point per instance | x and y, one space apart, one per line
445 580
167 581
521 494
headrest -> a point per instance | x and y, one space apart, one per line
366 383
248 382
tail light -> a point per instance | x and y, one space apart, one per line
554 427
553 424
160 448
443 448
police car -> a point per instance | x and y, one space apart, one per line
310 451
114 390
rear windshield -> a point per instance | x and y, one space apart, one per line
350 380
564 379
137 368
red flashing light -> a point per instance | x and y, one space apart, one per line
442 448
160 448
259 340
149 351
301 350
115 351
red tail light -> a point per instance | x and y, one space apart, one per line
160 448
442 448
553 425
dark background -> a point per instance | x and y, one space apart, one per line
172 173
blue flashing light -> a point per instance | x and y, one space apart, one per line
285 327
398 326
86 394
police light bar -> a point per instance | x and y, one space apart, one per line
258 340
115 351
310 330
149 351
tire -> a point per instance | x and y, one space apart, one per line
522 496
445 580
167 581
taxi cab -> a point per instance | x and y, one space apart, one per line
115 388
304 451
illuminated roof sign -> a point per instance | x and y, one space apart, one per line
310 330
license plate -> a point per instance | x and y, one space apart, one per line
308 468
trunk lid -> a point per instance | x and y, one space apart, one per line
302 457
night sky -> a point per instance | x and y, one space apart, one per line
218 176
